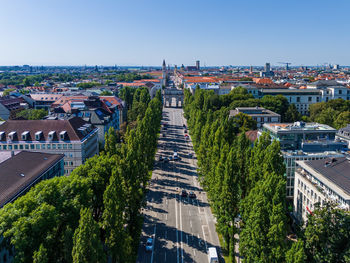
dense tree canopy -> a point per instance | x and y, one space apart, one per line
335 113
70 219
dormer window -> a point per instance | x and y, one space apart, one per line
25 136
63 135
2 136
12 135
38 135
51 135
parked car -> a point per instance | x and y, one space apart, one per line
166 159
149 244
183 193
184 126
160 159
192 194
185 131
190 155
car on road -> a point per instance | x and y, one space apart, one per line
166 159
185 131
149 244
192 194
190 155
183 193
160 159
213 255
184 126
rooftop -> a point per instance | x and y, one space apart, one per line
253 111
335 170
15 178
301 126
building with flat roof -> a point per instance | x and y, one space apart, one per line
259 114
309 137
343 135
75 138
320 181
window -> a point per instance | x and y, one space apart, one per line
298 99
310 99
43 146
70 146
53 146
10 147
26 146
64 146
37 146
340 91
318 99
15 147
49 146
59 146
21 146
32 146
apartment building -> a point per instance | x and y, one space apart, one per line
75 138
343 135
321 181
259 114
303 141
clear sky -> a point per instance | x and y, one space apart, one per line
143 32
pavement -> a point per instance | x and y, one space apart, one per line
182 227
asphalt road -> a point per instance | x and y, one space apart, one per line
183 227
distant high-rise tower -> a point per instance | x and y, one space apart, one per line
267 67
251 69
198 65
164 71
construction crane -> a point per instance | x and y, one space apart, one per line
285 63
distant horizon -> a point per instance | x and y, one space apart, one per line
143 33
171 65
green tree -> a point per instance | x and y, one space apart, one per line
296 254
32 114
342 120
327 234
40 256
87 246
292 114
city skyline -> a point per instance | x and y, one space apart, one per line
137 33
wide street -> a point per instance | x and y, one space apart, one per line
183 227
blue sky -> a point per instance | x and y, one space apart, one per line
140 32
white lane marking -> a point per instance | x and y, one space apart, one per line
182 250
205 240
191 223
154 240
177 237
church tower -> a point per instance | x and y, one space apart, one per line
164 74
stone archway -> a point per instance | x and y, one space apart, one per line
170 94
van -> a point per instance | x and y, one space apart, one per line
212 255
